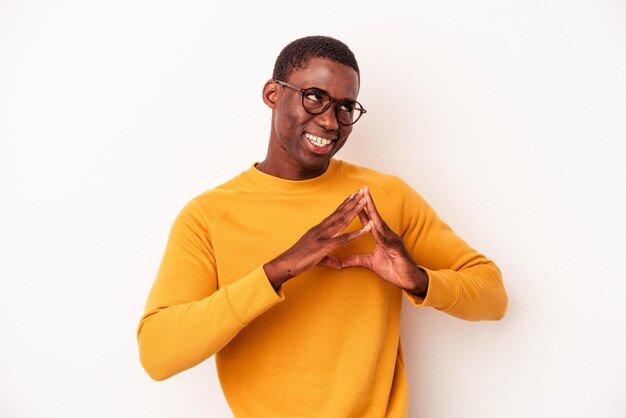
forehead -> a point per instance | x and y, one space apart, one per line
339 80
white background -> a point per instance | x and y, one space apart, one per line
507 116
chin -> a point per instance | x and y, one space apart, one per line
318 163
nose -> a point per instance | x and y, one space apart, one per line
328 119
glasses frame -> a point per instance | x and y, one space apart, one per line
331 100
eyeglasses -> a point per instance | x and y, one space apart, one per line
316 101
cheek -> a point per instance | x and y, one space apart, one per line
340 145
344 132
290 118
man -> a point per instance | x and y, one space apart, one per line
293 272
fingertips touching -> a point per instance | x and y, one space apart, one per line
368 195
363 217
352 196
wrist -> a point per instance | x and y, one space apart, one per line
419 282
276 274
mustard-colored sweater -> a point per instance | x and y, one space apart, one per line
328 344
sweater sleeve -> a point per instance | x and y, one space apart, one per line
187 318
462 282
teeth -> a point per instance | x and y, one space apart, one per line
319 141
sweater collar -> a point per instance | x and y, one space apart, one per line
278 184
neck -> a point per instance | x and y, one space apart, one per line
287 172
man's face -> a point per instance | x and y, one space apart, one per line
300 140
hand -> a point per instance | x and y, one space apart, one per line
390 259
314 246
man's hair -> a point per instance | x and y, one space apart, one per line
298 53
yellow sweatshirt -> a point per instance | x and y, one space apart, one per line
328 344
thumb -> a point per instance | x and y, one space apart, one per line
357 260
330 261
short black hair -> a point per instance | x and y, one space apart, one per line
298 53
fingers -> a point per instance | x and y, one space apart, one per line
344 214
314 246
351 236
359 205
378 236
370 215
371 208
363 217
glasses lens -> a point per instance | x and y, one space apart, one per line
315 101
348 112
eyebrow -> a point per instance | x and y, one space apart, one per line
302 89
329 95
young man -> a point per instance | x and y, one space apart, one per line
293 277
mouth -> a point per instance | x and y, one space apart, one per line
319 145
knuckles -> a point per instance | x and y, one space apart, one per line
342 239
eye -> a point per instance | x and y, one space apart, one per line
347 106
314 95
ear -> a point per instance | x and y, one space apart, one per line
270 92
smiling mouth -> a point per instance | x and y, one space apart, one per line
318 141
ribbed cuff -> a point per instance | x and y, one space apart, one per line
443 291
251 296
